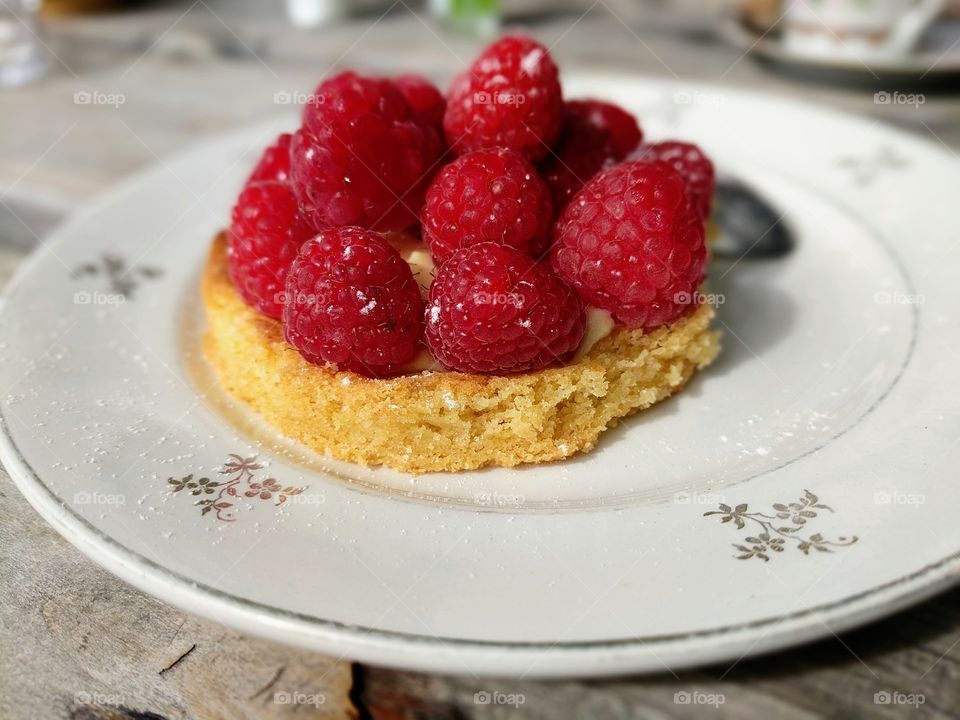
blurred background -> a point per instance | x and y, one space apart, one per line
91 90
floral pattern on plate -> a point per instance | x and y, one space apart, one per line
780 528
217 496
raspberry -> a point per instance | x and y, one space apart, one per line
692 164
350 97
274 164
493 309
595 135
362 157
426 102
352 302
265 234
510 97
487 195
631 242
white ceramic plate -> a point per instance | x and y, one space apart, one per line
802 485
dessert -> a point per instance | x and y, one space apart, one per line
461 210
493 309
353 303
509 97
688 160
631 243
595 135
433 283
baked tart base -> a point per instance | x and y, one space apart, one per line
439 420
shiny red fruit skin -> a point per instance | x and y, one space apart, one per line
487 196
423 97
493 309
509 97
274 163
693 165
596 135
266 232
632 243
352 302
363 157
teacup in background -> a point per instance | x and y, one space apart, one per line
856 28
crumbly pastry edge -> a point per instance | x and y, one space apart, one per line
444 421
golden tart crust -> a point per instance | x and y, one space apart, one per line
444 421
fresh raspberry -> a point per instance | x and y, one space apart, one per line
265 234
631 242
487 195
510 97
426 102
595 135
352 302
362 157
692 164
274 164
493 309
351 97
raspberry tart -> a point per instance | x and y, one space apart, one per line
434 282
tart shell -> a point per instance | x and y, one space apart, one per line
440 420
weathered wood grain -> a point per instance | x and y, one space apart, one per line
914 653
77 642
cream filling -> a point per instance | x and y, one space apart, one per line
422 267
416 255
599 324
423 362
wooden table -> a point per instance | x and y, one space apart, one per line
76 642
